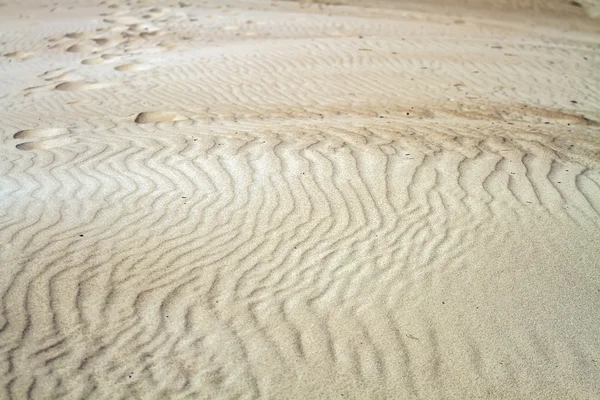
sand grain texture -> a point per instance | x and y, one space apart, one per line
315 200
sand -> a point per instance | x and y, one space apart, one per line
277 200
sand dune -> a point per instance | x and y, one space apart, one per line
299 200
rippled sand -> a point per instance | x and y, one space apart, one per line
278 200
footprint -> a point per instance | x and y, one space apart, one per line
18 54
46 144
167 45
81 48
158 116
40 133
64 77
52 72
110 56
158 10
146 35
50 138
77 35
132 67
142 28
37 89
92 61
101 41
81 85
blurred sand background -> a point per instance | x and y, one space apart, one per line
267 199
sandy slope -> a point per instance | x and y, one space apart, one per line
274 200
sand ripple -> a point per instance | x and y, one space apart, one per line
299 201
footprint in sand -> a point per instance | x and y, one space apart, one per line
158 11
110 56
78 35
46 144
18 54
146 35
50 138
81 48
142 28
52 72
167 45
92 61
40 133
103 41
81 85
31 90
132 67
66 76
150 117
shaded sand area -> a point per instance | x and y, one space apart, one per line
280 200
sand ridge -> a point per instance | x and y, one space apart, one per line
299 200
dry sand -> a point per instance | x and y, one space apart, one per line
280 200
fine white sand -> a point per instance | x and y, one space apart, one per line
261 199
